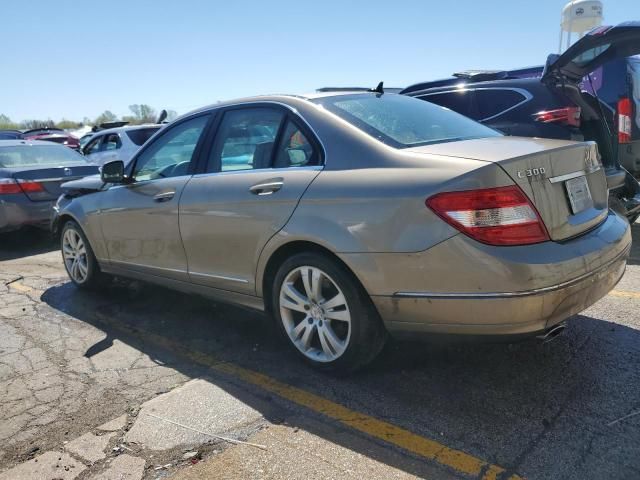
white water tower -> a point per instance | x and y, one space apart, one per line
579 16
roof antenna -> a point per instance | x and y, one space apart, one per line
379 89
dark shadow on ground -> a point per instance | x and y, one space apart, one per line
539 410
26 242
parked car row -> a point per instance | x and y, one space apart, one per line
351 215
55 135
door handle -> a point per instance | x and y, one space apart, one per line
163 197
266 188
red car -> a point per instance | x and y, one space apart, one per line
53 135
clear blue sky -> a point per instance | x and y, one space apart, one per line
73 59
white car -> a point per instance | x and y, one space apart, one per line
118 143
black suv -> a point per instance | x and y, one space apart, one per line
554 102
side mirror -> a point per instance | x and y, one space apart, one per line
113 172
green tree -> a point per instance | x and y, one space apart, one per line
6 123
106 116
68 124
31 124
141 114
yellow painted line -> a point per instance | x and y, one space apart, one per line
623 294
424 447
21 288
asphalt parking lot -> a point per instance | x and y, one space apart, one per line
137 381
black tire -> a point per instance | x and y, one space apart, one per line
94 277
368 335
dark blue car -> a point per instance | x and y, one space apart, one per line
590 92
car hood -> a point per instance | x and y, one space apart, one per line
597 47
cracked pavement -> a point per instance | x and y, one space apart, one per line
89 382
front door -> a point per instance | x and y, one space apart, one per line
260 164
139 220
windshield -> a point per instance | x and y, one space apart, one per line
35 155
401 121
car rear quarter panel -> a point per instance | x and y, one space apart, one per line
379 210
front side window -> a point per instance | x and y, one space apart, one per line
245 140
112 142
401 121
93 146
170 155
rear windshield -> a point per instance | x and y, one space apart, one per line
35 155
402 122
141 135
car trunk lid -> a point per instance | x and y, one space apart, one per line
564 180
597 47
50 179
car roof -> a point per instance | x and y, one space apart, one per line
128 128
287 98
464 85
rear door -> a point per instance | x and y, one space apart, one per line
260 163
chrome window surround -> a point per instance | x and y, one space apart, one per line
521 91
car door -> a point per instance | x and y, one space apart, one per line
139 219
260 163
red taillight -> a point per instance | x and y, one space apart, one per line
624 120
9 186
566 116
29 186
496 216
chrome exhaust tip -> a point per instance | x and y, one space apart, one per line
552 333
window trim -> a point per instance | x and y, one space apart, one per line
527 97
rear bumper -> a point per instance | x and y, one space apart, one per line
510 313
18 212
463 287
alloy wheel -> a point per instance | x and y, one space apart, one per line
315 314
74 253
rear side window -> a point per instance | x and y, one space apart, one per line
245 140
494 102
112 142
295 150
457 101
141 135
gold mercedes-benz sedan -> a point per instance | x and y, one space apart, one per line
350 216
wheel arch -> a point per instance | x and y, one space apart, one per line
286 250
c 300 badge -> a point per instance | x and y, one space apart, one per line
532 172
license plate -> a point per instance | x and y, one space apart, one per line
579 194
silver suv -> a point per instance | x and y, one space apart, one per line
118 143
